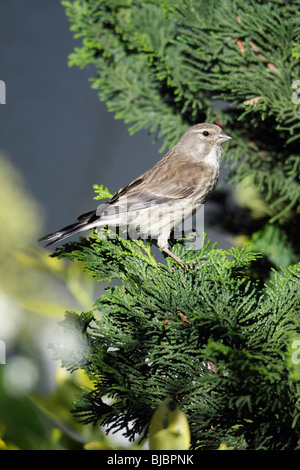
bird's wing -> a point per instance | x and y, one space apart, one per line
165 182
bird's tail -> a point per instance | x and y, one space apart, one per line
85 222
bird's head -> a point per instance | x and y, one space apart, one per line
201 140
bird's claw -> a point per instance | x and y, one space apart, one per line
186 266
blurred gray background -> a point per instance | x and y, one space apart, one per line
53 127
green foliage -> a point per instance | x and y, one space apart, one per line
155 335
219 338
162 65
102 192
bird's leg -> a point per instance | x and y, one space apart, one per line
182 263
164 246
170 253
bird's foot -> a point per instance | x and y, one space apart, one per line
182 264
187 266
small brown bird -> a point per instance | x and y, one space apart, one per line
165 195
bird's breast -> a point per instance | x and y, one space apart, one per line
212 157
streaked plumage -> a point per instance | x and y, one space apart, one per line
165 195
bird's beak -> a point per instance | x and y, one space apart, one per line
223 138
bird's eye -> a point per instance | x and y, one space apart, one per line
205 133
